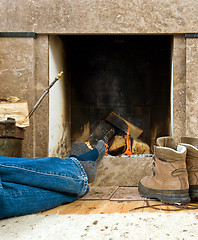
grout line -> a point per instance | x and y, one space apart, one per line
95 199
114 193
125 199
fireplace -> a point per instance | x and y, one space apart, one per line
126 74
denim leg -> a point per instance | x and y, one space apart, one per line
34 185
56 174
18 200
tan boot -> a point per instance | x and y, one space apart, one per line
169 182
192 165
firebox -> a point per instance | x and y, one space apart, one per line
126 74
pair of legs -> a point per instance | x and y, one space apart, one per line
34 185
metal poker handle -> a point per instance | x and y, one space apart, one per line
45 92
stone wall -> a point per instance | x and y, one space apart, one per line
99 16
192 86
24 65
24 74
179 87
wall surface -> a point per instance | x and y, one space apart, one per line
24 74
24 63
192 87
179 87
59 116
17 76
99 16
41 115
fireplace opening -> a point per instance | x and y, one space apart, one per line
125 74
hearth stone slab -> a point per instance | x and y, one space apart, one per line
127 194
100 193
122 171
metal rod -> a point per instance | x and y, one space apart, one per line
18 34
45 92
191 35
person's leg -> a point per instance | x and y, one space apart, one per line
53 173
34 185
79 148
18 199
94 155
91 160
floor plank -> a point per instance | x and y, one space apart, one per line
107 206
96 206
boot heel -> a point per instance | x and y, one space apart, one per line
193 191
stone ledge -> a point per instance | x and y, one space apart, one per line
93 16
122 171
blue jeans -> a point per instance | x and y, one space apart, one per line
34 185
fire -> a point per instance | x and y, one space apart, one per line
118 143
128 142
106 149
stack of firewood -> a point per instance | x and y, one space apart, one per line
15 108
120 136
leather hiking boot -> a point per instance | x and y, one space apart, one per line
192 165
169 182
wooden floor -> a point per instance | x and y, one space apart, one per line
102 200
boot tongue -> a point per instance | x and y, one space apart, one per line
166 142
191 141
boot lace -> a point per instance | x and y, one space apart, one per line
177 207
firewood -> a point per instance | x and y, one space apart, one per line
139 147
16 110
124 125
104 131
118 145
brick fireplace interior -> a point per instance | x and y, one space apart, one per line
126 74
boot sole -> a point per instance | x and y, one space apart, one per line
193 191
166 196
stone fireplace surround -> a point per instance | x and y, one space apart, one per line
25 69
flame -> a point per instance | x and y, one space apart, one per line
106 149
128 142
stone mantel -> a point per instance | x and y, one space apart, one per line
99 16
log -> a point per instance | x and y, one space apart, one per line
118 145
104 131
16 110
124 125
139 147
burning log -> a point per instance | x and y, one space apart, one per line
124 125
104 131
118 145
118 134
139 147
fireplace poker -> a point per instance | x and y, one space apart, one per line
45 92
